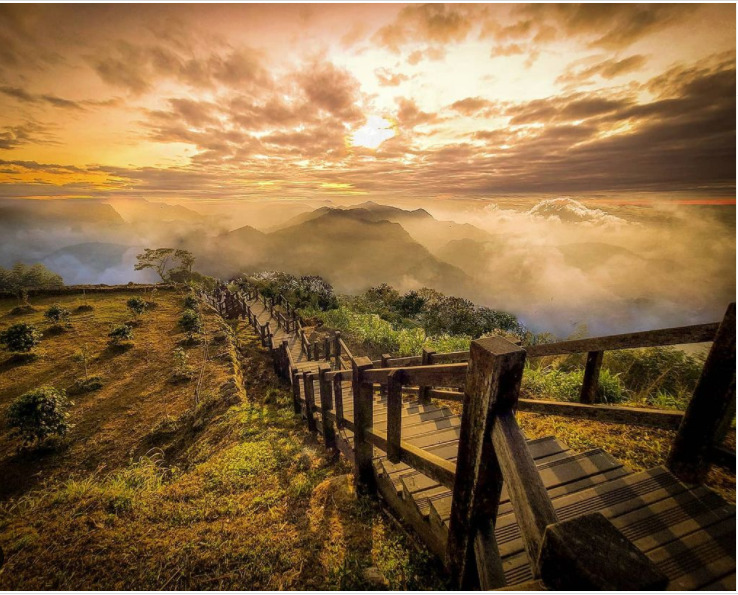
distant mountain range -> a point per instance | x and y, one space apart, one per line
354 247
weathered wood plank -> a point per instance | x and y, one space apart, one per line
326 406
591 380
436 375
533 508
493 380
394 414
698 333
309 389
712 399
655 418
363 417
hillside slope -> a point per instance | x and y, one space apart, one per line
157 491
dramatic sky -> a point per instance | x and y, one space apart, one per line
223 102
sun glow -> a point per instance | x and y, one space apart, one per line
373 133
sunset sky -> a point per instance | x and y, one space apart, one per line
235 102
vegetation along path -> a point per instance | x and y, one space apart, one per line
193 475
406 445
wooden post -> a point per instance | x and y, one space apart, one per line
337 349
425 361
591 381
338 400
587 553
492 381
383 390
327 349
286 372
326 406
394 414
307 382
363 420
296 391
269 337
712 400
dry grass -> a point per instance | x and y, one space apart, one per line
137 392
250 500
636 447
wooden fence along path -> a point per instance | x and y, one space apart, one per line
501 510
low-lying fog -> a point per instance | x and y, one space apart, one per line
556 263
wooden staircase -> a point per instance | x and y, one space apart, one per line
687 531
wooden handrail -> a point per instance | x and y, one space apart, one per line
533 508
698 333
492 448
435 375
711 406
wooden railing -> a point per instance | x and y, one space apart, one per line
492 448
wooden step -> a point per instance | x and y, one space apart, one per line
423 490
622 497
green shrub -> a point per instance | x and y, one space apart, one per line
86 385
20 338
57 313
190 323
136 305
182 370
560 385
39 414
120 333
190 302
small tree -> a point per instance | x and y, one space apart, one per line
57 314
190 302
190 323
82 356
22 277
136 305
39 414
120 333
20 338
170 264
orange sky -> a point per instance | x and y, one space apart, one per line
224 102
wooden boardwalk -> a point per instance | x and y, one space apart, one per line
688 531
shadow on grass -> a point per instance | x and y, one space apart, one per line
18 359
26 468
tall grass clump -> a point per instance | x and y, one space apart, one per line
379 335
560 385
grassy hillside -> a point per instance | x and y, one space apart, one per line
137 390
152 490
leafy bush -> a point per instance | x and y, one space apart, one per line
190 323
308 291
22 277
190 302
136 305
57 313
120 333
20 338
182 370
39 414
86 385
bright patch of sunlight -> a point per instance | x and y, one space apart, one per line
373 133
